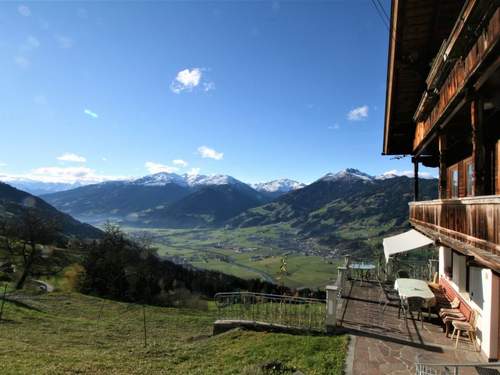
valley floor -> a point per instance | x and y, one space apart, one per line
253 252
61 333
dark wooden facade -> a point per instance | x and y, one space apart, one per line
447 115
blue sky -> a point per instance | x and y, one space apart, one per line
254 89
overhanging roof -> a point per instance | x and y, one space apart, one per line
418 28
404 242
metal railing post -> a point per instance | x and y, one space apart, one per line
331 308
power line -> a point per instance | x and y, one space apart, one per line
381 13
383 10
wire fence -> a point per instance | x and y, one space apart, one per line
293 312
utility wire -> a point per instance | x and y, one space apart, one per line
381 13
383 10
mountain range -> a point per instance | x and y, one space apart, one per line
167 199
187 201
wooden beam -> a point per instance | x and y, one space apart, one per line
442 167
479 149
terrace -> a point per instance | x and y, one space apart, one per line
382 343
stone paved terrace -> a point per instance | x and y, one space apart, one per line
384 344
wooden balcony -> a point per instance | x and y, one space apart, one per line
469 225
465 71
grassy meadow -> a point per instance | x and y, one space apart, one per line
69 333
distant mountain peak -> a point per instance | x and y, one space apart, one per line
160 179
347 174
282 185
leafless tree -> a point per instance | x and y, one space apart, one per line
23 237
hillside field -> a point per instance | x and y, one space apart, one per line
63 333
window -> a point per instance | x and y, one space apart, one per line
454 183
469 176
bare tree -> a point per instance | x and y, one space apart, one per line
22 238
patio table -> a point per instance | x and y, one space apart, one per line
415 288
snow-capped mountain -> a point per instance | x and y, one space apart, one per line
187 180
282 185
349 174
161 179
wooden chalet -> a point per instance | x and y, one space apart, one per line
442 108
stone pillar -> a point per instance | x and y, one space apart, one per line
331 308
341 277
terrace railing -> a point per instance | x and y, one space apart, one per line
455 368
271 309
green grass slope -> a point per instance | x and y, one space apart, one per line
74 333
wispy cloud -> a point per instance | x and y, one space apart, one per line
22 62
24 10
68 156
208 86
153 167
210 153
30 44
64 41
358 113
90 113
335 126
180 163
2 164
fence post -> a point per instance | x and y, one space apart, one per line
331 308
347 264
388 269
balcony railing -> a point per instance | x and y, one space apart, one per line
471 222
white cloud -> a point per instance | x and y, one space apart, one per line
358 113
104 159
210 153
64 41
62 175
90 113
194 171
24 10
68 156
186 80
153 167
180 163
30 44
2 164
335 126
21 61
